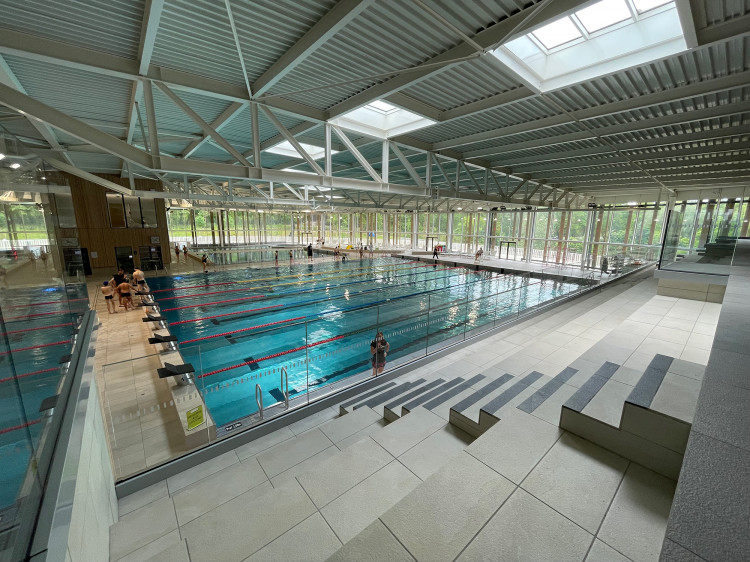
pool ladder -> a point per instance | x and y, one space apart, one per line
283 383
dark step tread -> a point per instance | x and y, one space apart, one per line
432 394
588 390
388 394
648 385
538 398
481 393
453 392
366 395
502 399
417 392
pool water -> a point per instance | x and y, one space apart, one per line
240 328
37 331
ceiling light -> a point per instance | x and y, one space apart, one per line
479 208
261 211
557 33
459 208
15 165
44 177
632 203
2 155
603 14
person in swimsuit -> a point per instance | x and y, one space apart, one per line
204 261
309 252
276 258
434 252
184 252
108 291
378 350
177 253
291 257
116 281
124 290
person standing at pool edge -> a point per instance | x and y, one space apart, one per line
276 258
379 349
204 261
309 252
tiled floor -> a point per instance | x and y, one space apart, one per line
303 491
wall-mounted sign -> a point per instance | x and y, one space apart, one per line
94 255
195 417
69 242
155 240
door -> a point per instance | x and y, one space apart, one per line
150 258
124 258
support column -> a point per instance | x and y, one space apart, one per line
415 233
449 234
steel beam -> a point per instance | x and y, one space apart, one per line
515 24
356 153
407 166
232 110
290 137
326 27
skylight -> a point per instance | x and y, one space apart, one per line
603 14
285 148
646 5
557 33
381 120
603 38
380 105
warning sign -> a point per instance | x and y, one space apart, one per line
195 417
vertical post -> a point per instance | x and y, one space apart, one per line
449 233
148 97
255 125
328 162
385 161
415 233
586 239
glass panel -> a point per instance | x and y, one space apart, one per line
65 213
646 5
148 213
603 14
557 33
116 210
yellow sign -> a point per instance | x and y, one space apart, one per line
195 417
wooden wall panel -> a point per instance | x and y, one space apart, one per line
94 232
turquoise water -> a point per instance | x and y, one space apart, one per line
240 328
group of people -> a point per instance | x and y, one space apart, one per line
123 286
177 252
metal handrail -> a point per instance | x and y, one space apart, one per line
284 385
259 399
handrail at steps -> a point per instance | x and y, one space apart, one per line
259 399
284 385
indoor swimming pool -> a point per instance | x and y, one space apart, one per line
316 321
38 328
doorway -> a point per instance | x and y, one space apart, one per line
124 258
150 258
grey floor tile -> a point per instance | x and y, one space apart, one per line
709 512
601 552
526 529
441 516
549 411
142 497
175 553
179 481
677 397
429 455
376 542
170 540
311 540
196 499
724 414
231 533
140 527
637 520
515 444
729 368
292 452
356 509
687 369
362 434
607 404
401 435
578 479
305 466
263 443
334 476
673 552
313 420
342 427
627 375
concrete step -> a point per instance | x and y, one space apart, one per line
443 400
463 412
429 395
390 408
620 418
390 394
665 416
345 407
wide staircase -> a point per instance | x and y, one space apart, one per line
473 468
